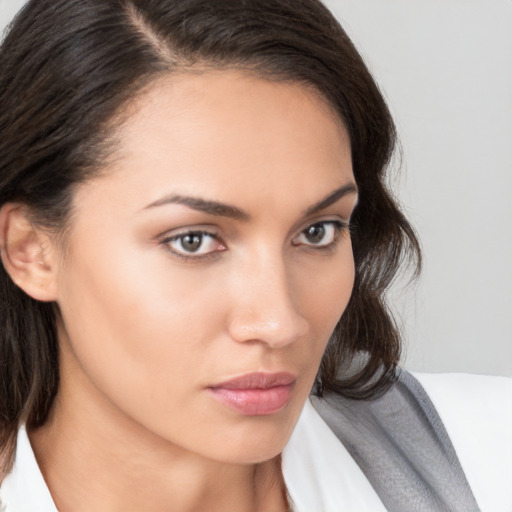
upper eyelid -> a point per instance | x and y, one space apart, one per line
215 232
177 232
173 236
338 224
330 220
166 240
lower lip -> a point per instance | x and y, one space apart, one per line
254 402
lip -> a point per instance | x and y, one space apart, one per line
255 394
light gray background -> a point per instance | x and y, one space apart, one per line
445 67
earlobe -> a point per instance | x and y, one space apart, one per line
27 253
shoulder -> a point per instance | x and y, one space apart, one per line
24 488
476 412
433 442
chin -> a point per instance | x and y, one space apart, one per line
251 454
259 443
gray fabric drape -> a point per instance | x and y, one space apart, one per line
401 445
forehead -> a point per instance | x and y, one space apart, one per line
228 135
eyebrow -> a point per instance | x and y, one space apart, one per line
336 195
203 205
225 210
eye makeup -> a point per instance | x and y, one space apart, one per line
199 244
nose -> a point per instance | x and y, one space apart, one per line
265 305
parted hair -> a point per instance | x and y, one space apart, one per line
67 69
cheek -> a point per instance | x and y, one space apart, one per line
150 335
323 295
149 315
132 315
326 292
149 340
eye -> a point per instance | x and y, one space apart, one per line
321 234
193 244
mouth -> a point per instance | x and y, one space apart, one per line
255 394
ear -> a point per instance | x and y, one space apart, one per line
27 253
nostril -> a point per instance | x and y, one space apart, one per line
276 328
264 306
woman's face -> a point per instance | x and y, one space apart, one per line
207 267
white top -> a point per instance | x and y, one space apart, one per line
320 474
477 414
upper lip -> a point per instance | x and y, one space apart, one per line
257 380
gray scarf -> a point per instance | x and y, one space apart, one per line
401 445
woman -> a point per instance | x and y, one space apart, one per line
195 231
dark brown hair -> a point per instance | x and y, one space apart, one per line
67 67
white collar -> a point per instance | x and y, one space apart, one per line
319 473
24 488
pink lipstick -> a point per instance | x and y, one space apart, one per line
255 394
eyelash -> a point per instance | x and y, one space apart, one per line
167 241
338 226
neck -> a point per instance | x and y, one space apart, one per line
102 460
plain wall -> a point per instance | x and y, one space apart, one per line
446 68
8 8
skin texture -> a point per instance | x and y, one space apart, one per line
145 332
